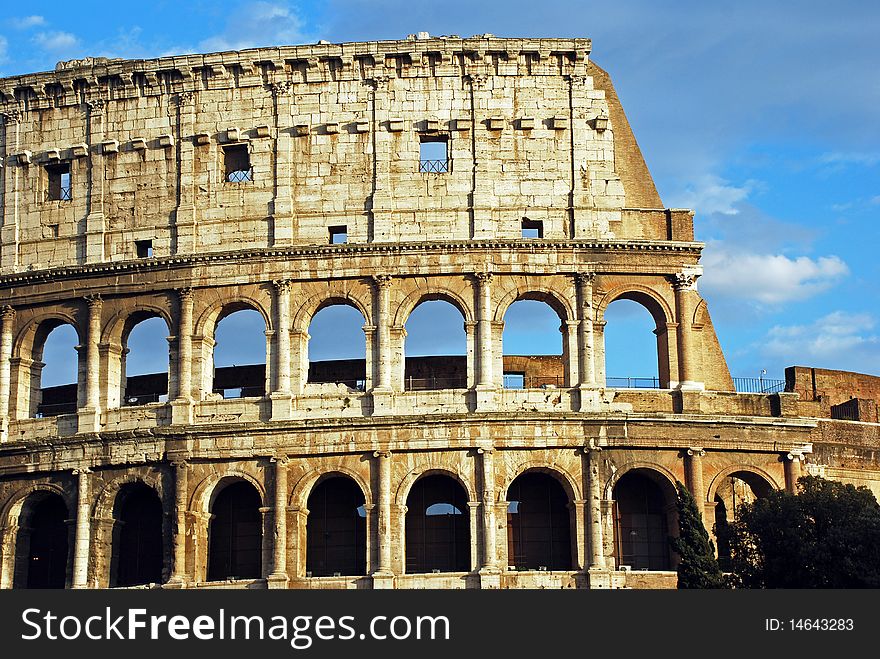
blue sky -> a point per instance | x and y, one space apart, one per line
760 116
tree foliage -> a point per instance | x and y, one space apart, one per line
697 567
825 536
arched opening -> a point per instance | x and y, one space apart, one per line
435 347
137 537
336 529
631 357
538 523
235 533
437 526
55 370
240 353
42 549
733 491
144 348
533 345
337 347
643 517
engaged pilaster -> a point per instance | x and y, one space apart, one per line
178 567
279 577
90 414
685 286
281 395
7 318
694 467
182 407
485 389
82 534
385 572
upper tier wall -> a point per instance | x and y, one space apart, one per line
333 136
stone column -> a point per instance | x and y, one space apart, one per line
481 197
7 317
178 568
490 550
484 329
90 413
95 225
281 395
279 578
383 329
381 201
792 463
570 353
82 535
594 508
185 230
578 517
181 409
685 286
12 177
384 519
282 202
584 285
694 472
474 529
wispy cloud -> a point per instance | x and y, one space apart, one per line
56 41
838 340
867 159
768 279
25 22
712 194
258 24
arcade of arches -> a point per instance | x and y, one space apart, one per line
441 530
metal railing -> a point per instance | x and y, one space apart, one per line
55 409
143 399
758 385
434 166
427 384
512 381
241 392
356 385
632 383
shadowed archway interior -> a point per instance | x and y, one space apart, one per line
137 537
538 524
437 526
43 543
336 529
235 534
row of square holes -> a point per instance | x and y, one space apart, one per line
433 158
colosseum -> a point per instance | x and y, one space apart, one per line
476 172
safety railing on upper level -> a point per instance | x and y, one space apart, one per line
758 385
632 383
427 384
521 381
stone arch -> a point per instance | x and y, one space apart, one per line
551 297
407 482
117 329
236 530
648 297
31 332
436 524
209 487
304 486
302 316
660 474
12 571
226 306
104 503
568 482
753 474
429 294
337 526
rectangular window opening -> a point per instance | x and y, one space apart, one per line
59 181
144 248
433 154
532 229
514 380
338 235
237 162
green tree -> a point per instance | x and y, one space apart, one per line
825 536
697 567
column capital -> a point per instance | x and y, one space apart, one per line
589 448
382 454
684 281
93 301
179 464
96 104
488 450
184 98
382 280
7 313
282 285
697 451
280 460
577 80
484 277
281 88
584 278
795 456
11 116
82 471
184 294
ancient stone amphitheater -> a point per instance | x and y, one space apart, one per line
380 175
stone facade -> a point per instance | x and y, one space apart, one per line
148 223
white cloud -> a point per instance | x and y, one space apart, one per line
837 340
769 278
4 46
868 159
25 22
712 194
56 41
258 24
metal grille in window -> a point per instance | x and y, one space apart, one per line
60 188
434 166
238 164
